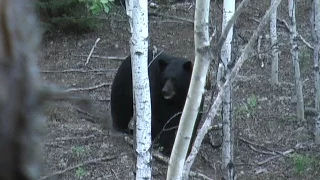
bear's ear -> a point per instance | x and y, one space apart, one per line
188 66
162 64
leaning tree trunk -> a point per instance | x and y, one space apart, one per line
21 120
228 124
295 59
274 45
137 11
207 124
195 93
244 56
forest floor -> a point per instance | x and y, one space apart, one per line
269 142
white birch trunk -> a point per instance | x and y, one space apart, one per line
274 45
141 87
228 138
316 36
295 59
196 90
214 108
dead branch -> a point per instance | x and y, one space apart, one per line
115 174
261 151
89 88
89 117
102 57
93 47
157 155
261 146
274 157
77 70
198 175
75 138
107 99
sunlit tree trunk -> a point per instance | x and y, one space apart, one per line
196 90
137 11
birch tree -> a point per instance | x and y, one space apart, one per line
244 56
21 119
295 59
315 20
274 45
137 11
196 90
228 135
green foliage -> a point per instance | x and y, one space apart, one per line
67 15
252 101
97 6
78 150
248 107
80 172
301 162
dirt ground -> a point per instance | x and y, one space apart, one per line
269 142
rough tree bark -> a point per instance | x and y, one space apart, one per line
196 90
138 18
295 59
244 56
21 120
228 124
274 45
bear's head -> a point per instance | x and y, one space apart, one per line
175 75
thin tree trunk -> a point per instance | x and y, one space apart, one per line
196 90
295 60
141 87
274 45
228 134
21 119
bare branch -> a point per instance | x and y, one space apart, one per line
89 88
93 47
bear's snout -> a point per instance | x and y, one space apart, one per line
168 90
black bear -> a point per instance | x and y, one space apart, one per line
169 79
